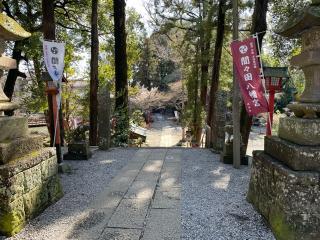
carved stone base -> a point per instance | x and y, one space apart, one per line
300 131
305 110
227 154
13 127
78 151
289 200
297 157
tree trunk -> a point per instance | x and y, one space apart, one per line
94 82
205 40
49 32
121 68
13 73
259 25
216 72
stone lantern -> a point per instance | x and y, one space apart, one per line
28 172
284 185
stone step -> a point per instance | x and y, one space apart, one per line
303 158
13 127
19 147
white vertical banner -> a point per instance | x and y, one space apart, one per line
53 53
54 59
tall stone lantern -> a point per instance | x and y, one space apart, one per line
284 185
285 177
28 172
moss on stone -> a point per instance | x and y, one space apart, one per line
11 223
281 228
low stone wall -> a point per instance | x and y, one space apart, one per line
27 187
288 199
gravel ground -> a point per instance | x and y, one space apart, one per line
214 205
87 179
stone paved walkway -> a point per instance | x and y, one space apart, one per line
164 132
141 202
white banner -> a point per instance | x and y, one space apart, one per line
54 59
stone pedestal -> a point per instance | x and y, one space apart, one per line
227 154
284 185
78 151
29 179
289 200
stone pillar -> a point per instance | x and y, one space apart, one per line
219 121
104 116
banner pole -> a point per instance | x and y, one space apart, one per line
236 96
263 80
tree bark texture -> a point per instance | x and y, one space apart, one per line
259 25
121 67
216 73
94 81
13 74
205 40
49 33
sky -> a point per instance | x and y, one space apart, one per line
139 6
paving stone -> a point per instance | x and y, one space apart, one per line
120 234
163 224
167 199
130 213
152 166
170 179
91 225
158 154
107 199
141 189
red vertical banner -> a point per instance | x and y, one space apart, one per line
245 59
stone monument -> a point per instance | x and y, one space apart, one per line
284 185
28 172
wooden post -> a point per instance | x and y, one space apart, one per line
50 34
236 97
271 109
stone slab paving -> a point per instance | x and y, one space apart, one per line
164 132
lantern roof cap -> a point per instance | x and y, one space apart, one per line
280 72
10 30
301 21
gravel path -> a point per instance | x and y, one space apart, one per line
88 178
214 205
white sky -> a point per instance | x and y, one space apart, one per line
139 6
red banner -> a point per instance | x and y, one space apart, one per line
247 67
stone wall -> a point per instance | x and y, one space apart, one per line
27 187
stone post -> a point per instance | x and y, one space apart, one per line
104 131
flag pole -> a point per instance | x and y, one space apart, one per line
236 96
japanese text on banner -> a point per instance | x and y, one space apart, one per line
247 67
